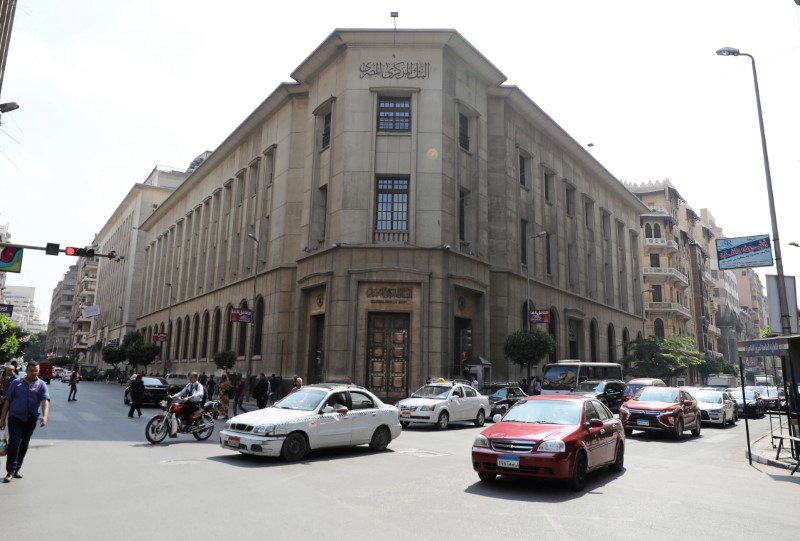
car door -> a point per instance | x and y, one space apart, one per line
456 404
472 402
364 417
730 406
690 412
333 429
596 439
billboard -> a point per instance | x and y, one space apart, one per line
744 252
10 259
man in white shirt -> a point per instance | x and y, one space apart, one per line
191 396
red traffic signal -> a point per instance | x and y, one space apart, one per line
79 252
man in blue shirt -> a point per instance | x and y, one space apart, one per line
21 409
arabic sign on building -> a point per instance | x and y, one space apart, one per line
395 70
764 347
90 311
744 252
241 315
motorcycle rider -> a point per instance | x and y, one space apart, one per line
191 396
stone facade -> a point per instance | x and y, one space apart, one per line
379 210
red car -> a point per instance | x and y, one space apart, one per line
664 409
551 437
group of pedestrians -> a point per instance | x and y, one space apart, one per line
535 387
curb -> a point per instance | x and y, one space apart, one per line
765 460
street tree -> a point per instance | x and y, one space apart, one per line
142 354
710 364
662 358
225 359
9 343
113 356
33 347
527 347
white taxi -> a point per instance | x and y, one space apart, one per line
443 402
314 417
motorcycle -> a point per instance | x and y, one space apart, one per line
171 422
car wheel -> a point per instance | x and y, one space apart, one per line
404 424
487 477
679 429
724 419
619 459
579 471
380 439
444 420
294 447
697 427
628 431
481 418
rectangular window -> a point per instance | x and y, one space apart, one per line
523 170
326 131
572 259
523 235
657 294
463 131
462 210
570 200
392 204
655 260
606 226
549 248
394 114
549 187
588 213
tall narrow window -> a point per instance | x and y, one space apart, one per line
463 131
523 235
392 204
326 131
394 114
570 200
462 210
588 213
523 170
549 248
549 187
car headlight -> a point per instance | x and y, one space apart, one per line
263 429
552 446
427 408
227 425
481 441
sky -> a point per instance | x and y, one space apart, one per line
108 89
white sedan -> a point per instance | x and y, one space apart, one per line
316 416
443 402
716 407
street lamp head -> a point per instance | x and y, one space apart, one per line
728 51
650 290
794 244
539 234
253 237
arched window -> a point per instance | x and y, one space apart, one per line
658 328
657 231
242 333
626 337
162 345
259 326
195 335
612 350
593 341
228 330
186 335
648 231
204 337
177 347
552 329
217 331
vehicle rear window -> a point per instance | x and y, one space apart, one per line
154 381
656 394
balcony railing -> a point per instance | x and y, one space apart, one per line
667 272
713 329
396 236
668 307
661 243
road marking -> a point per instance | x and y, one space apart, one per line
420 452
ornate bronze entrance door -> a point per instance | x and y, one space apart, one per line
387 353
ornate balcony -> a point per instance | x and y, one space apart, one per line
656 275
713 329
665 244
668 307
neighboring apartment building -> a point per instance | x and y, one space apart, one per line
25 315
119 283
4 237
60 323
753 301
380 208
85 287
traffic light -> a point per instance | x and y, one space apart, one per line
463 356
467 340
79 252
318 359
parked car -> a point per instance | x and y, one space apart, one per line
608 391
177 382
155 390
502 396
716 407
637 383
751 405
663 409
443 402
304 421
772 397
551 437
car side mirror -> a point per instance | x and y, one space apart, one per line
596 423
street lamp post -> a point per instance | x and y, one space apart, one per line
530 264
644 312
169 323
782 300
253 315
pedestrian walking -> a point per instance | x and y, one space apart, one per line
211 386
274 386
136 394
9 375
239 396
524 385
223 397
73 386
203 379
21 413
537 385
261 391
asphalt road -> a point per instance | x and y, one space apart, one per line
91 475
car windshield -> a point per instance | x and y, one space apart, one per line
439 392
591 387
769 391
709 397
656 394
306 399
738 395
500 393
549 412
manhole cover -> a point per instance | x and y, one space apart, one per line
180 462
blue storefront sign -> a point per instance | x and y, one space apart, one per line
744 252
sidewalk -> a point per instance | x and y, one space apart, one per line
764 449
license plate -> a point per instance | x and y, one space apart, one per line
406 414
642 422
233 443
508 462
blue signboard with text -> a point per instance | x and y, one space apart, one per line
744 252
